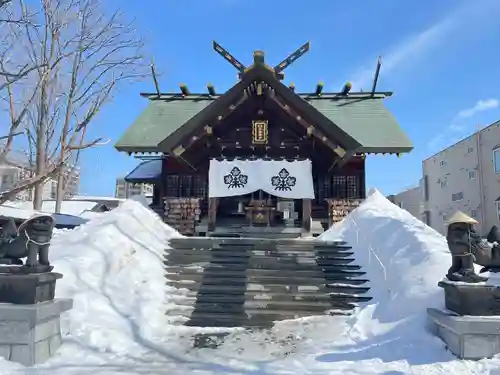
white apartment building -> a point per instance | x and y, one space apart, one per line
409 200
466 177
126 189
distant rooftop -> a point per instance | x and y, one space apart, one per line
496 123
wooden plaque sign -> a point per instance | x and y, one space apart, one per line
260 133
338 209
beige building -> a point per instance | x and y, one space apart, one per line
126 189
409 200
15 170
466 177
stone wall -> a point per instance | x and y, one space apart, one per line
30 334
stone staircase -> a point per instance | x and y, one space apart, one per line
252 282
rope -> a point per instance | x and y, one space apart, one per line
370 247
29 239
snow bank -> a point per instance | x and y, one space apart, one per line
403 257
113 268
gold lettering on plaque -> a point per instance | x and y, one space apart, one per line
260 132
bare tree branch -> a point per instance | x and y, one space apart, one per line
75 56
30 183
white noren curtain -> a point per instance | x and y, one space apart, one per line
285 179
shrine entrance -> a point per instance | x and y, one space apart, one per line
259 209
260 192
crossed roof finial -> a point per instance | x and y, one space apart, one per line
259 59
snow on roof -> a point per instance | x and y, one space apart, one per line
27 212
68 207
15 212
113 268
94 198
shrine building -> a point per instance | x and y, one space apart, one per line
259 155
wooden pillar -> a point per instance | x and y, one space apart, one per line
363 179
306 214
212 213
157 196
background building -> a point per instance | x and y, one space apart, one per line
410 200
466 177
17 168
126 189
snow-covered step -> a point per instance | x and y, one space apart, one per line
324 300
251 276
259 262
242 269
261 319
256 257
180 242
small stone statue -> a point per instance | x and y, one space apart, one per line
463 242
31 241
489 256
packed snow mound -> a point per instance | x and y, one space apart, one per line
113 268
403 257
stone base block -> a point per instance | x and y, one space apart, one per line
30 334
468 337
26 289
471 299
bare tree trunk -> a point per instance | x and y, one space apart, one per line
41 157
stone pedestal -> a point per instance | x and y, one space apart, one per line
468 337
30 334
471 299
26 289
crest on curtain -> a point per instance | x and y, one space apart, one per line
235 179
283 181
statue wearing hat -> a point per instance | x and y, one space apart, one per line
464 243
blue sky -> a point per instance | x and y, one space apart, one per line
441 58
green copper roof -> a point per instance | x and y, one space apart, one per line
367 120
160 119
362 117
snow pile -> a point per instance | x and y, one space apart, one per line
113 268
403 257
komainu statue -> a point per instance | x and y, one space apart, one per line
31 241
466 247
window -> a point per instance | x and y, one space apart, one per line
444 183
457 197
472 175
496 160
427 217
426 188
442 163
498 209
473 214
400 204
470 149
